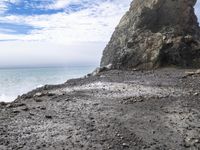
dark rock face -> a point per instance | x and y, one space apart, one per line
155 33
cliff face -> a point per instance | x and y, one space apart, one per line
155 33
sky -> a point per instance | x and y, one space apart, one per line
58 32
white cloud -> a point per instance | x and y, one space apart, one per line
95 23
87 24
3 6
64 37
58 4
27 53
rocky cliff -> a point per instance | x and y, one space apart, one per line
155 33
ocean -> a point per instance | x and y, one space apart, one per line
14 82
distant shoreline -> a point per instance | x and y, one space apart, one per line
37 67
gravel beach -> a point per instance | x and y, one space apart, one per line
113 110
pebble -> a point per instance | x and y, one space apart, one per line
125 145
48 116
32 114
8 106
43 108
51 94
25 109
16 111
38 99
38 94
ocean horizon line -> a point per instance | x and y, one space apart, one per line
43 67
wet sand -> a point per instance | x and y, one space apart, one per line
113 110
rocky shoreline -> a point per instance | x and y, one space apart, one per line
157 109
120 109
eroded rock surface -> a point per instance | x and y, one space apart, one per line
155 33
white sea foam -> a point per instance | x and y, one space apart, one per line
14 82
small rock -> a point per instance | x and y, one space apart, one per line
48 116
96 104
39 94
196 141
32 114
20 104
51 94
198 71
43 108
125 145
25 109
68 99
190 142
38 99
16 111
9 106
186 145
3 103
69 137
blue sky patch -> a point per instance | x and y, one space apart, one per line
31 7
9 28
40 7
74 8
35 8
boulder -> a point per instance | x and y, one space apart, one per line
155 33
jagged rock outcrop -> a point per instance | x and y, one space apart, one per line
155 33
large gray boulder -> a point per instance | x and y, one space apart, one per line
155 33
